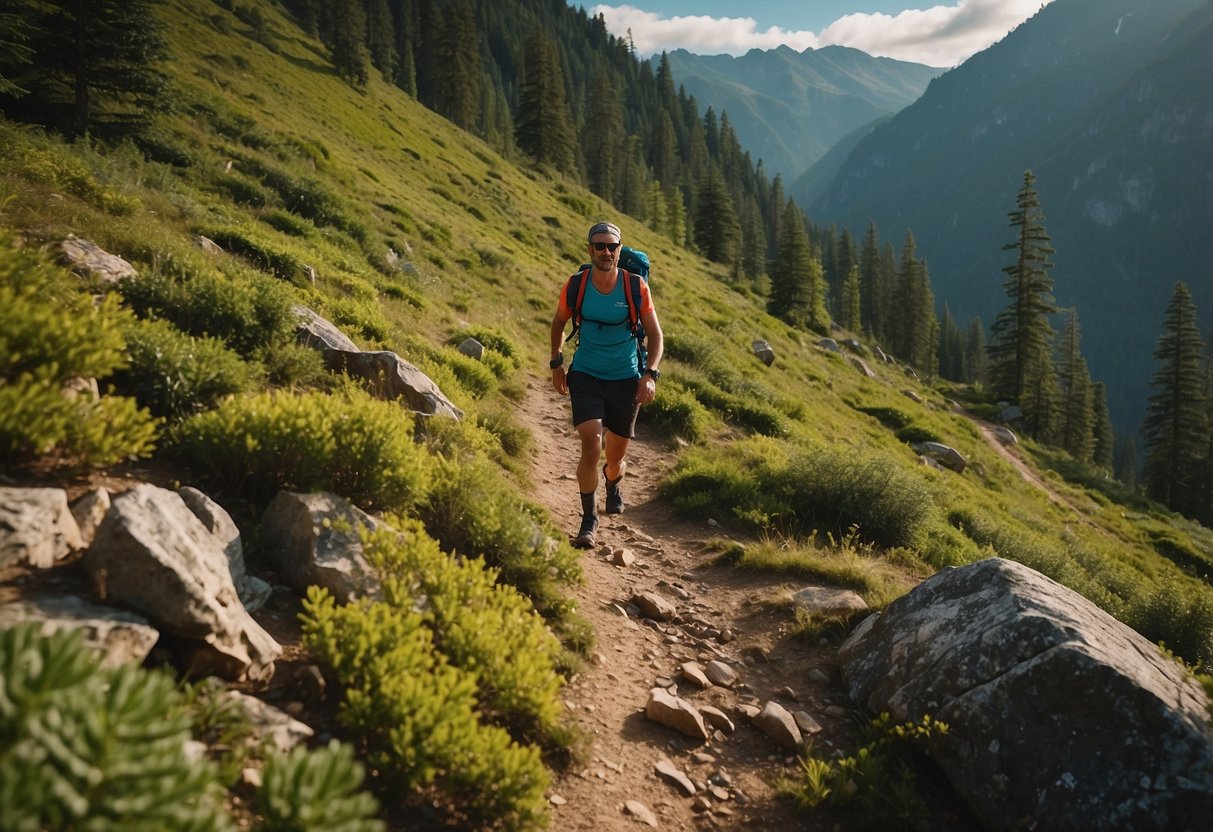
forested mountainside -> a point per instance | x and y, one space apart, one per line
1107 103
789 108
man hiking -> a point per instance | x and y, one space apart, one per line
606 382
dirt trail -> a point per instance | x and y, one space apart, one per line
607 700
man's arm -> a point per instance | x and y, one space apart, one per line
559 382
655 341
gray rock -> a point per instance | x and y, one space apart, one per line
36 527
472 348
775 721
654 606
1059 715
269 723
829 344
764 352
829 601
391 378
153 554
720 673
87 259
672 774
1006 436
207 244
666 709
693 673
642 813
946 456
117 636
315 538
717 718
89 510
861 365
805 722
316 332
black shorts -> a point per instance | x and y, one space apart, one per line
614 402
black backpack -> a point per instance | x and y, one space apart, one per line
633 268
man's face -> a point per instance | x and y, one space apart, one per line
604 250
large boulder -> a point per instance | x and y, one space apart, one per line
37 527
115 635
154 555
1060 716
393 379
252 590
317 541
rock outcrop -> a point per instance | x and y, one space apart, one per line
1060 716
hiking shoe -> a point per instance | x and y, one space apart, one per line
585 537
614 497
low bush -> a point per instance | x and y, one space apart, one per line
826 489
52 333
315 790
347 443
86 747
472 510
173 374
247 310
676 412
1178 612
416 713
261 252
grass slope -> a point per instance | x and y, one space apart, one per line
417 232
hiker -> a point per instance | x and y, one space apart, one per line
606 382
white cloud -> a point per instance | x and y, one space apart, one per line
943 35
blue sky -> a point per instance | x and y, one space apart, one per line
942 33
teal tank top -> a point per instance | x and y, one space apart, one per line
605 346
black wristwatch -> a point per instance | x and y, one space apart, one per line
654 372
558 361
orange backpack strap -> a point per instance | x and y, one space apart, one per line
576 285
631 290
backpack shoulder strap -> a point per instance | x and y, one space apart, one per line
631 289
576 287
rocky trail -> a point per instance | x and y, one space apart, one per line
634 770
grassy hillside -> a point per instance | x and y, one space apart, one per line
418 234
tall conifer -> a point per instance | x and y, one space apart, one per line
1077 428
1176 423
717 229
1022 334
543 125
1101 428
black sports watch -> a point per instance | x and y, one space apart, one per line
558 361
654 372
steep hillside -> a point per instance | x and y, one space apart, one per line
788 108
410 235
1104 102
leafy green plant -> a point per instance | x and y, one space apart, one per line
416 712
346 442
316 791
52 333
878 785
676 412
173 374
84 747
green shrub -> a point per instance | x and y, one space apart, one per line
246 311
260 252
913 434
765 484
347 443
890 417
317 791
51 332
472 510
173 374
879 787
675 412
738 410
291 364
286 222
1177 612
84 747
416 713
480 626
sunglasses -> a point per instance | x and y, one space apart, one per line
606 247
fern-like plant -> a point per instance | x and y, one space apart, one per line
316 791
84 747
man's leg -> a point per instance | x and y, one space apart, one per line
590 432
616 449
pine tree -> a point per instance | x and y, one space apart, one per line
381 38
1020 366
1104 436
102 58
15 52
975 353
1077 427
663 152
347 41
460 73
851 303
1126 469
753 260
951 348
717 230
1176 423
872 285
914 325
602 138
791 271
543 126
